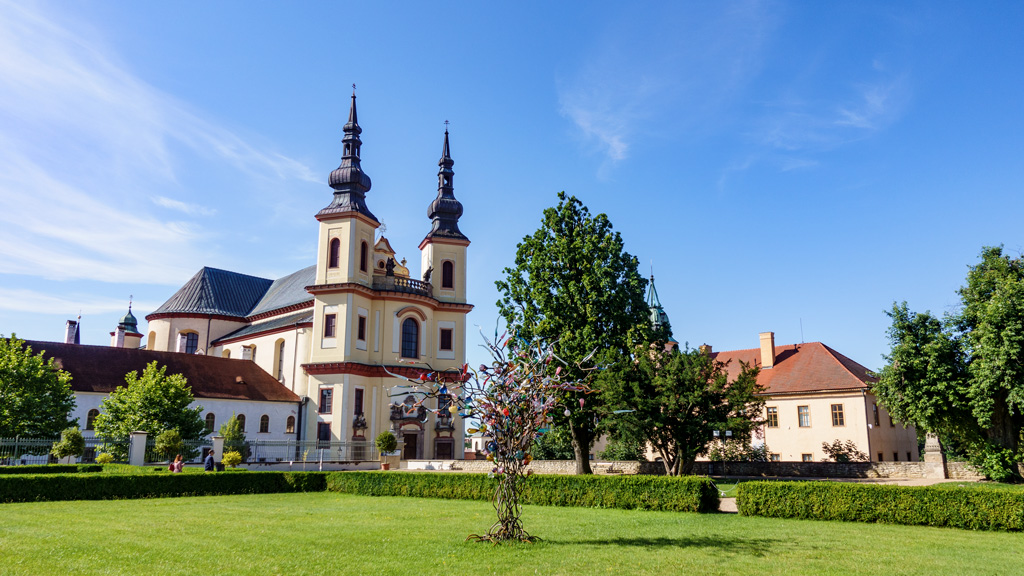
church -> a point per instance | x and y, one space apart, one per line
337 332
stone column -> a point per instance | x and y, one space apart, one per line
934 460
137 449
218 447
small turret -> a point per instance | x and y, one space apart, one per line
659 319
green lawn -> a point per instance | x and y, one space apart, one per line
327 533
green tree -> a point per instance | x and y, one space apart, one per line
170 444
71 443
234 437
675 400
963 377
153 402
35 396
574 286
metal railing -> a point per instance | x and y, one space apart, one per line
24 451
191 452
311 451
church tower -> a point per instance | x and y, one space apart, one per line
659 319
444 248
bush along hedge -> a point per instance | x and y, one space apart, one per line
51 469
687 494
35 488
973 508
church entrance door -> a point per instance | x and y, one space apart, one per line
410 449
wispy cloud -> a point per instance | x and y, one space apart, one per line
190 209
31 301
81 137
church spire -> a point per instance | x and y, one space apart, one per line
445 210
659 319
348 180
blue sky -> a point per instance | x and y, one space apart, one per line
793 167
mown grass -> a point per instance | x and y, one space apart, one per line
328 533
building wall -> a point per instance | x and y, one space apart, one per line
266 357
163 332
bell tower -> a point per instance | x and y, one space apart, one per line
444 247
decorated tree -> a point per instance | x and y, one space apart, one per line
514 400
35 396
573 283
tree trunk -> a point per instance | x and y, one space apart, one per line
1005 429
581 448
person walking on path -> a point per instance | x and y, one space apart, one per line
208 462
178 464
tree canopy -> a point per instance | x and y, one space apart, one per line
676 399
962 377
574 286
35 396
153 402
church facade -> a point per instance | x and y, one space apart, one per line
337 333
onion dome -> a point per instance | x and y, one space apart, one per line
348 180
445 210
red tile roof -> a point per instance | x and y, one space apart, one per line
802 368
103 368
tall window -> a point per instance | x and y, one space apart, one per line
773 417
874 410
444 401
289 425
280 360
881 457
191 343
804 415
447 274
361 328
446 339
334 253
330 325
264 424
90 419
358 404
211 421
363 257
838 418
326 400
241 422
410 338
323 432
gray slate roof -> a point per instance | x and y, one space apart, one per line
287 291
304 317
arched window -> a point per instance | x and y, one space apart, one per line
211 421
362 256
334 253
410 338
280 360
90 420
448 274
226 353
264 424
191 343
151 341
241 421
289 427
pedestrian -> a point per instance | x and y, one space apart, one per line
178 463
208 462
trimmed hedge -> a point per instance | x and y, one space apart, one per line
51 469
688 494
36 488
973 509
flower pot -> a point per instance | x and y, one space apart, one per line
385 466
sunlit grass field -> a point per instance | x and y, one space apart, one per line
328 533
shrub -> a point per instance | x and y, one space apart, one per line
973 509
386 442
34 488
71 443
169 444
231 459
685 494
51 469
104 458
839 452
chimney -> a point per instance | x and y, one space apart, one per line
239 380
71 332
705 349
182 342
119 337
767 349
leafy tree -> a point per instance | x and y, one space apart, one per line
234 437
737 451
837 451
71 443
35 396
153 402
169 443
554 445
623 449
386 442
574 285
962 377
675 400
